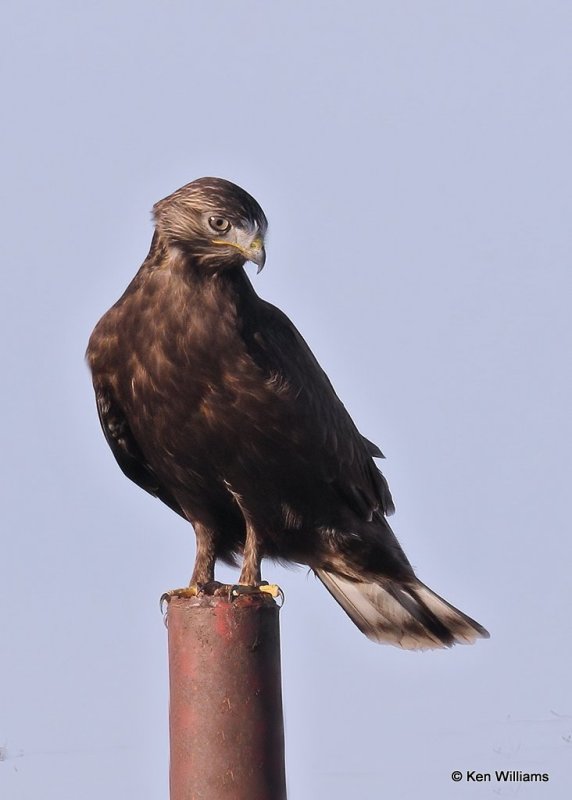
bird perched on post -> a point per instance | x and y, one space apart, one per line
212 401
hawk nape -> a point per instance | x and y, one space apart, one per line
212 401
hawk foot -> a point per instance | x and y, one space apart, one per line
212 588
263 586
216 589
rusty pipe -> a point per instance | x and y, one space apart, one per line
225 714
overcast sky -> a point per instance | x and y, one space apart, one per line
413 159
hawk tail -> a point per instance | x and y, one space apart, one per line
409 615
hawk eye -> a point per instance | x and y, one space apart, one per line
219 224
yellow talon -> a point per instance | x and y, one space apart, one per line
270 588
273 590
188 591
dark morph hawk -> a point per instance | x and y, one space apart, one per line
211 400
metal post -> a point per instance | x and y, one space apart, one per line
225 716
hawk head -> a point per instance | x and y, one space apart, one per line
215 222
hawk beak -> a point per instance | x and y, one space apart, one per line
256 253
252 249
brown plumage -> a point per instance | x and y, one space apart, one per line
211 400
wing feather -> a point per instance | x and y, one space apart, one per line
126 450
340 454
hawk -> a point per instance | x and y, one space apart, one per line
211 400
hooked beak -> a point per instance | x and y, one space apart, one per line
251 247
256 253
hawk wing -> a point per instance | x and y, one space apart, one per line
126 450
338 453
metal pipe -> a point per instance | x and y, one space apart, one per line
225 715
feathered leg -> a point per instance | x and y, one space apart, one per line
250 575
203 572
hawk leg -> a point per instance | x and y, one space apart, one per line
202 580
203 573
250 575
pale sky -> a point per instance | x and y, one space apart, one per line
413 160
